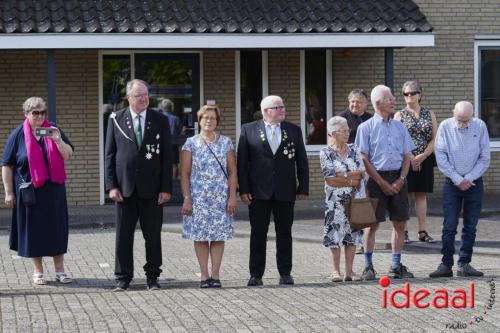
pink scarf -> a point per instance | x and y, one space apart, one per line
36 161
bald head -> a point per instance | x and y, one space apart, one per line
463 112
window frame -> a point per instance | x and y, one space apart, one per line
314 149
237 85
483 43
130 53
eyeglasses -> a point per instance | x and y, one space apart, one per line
345 131
277 108
411 93
37 113
209 118
140 96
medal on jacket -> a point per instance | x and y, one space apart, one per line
262 136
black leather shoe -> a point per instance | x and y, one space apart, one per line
286 279
153 284
254 281
121 286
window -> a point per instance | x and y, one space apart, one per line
250 85
316 96
489 102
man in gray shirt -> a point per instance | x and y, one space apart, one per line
463 154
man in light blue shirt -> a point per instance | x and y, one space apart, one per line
463 154
386 147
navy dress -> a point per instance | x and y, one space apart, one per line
40 230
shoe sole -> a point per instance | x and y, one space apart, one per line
463 274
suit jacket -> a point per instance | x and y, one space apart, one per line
148 168
265 175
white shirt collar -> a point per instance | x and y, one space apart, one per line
142 114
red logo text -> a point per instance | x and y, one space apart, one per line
423 298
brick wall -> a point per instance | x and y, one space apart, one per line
218 72
446 71
23 75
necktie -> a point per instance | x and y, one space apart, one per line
274 142
138 131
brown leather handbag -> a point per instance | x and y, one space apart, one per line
361 212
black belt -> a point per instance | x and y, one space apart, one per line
390 172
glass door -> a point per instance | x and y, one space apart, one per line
173 76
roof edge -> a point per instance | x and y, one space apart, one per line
213 41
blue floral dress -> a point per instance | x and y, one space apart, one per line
209 191
337 230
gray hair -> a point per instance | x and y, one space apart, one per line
166 105
377 94
357 92
269 101
132 83
335 123
34 103
414 86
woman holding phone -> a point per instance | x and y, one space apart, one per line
34 177
343 170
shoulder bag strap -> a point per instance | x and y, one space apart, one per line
220 164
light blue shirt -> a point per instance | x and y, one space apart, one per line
269 131
385 143
462 153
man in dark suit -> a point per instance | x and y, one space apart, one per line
139 179
271 158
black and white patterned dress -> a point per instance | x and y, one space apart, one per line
337 230
420 130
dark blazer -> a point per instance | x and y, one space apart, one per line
263 174
148 169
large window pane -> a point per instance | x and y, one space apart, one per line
315 93
490 91
251 85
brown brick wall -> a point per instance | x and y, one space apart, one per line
446 71
218 72
23 75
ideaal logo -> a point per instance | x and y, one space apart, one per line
440 298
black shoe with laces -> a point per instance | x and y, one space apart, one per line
254 281
153 284
286 279
121 286
400 272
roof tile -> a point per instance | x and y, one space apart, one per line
211 16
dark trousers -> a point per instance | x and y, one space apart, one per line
150 216
453 199
260 215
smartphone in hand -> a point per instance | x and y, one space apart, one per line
43 131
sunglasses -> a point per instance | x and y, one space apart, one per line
411 93
39 113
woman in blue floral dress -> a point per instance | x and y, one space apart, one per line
208 181
343 170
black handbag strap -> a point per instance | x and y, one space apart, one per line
220 164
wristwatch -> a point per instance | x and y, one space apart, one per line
403 178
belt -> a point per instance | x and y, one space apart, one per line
390 172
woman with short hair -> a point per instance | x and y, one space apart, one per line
343 170
208 182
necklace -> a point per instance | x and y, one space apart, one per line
206 139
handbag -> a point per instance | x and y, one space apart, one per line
27 192
361 211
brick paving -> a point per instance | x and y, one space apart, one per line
313 305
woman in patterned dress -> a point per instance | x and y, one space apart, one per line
208 182
422 126
343 170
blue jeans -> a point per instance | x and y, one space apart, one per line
453 198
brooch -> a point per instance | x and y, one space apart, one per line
289 150
262 136
152 149
285 136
